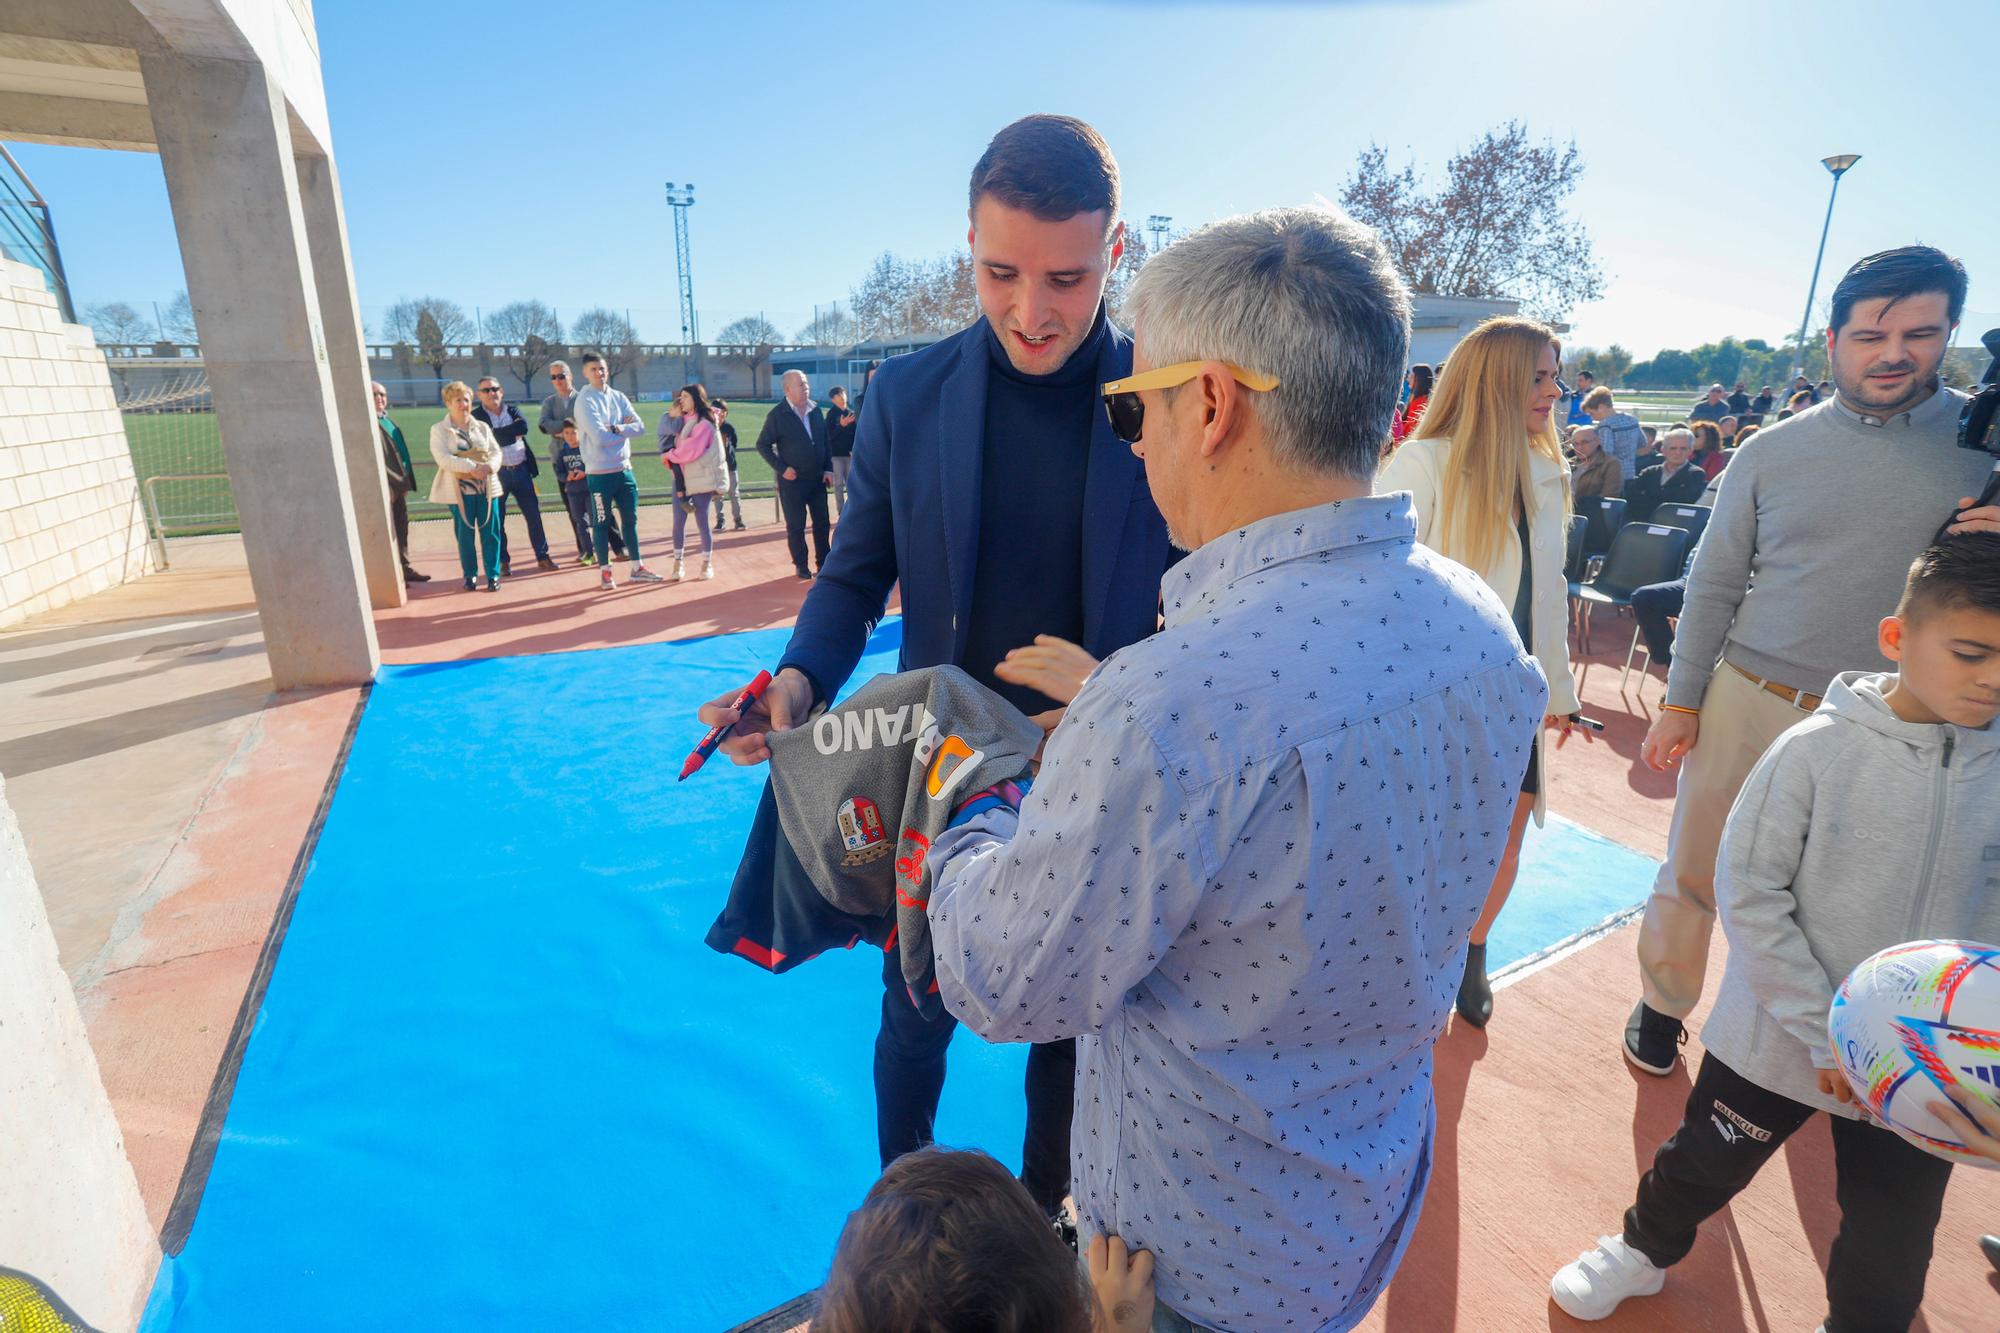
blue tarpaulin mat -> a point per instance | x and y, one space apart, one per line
498 1080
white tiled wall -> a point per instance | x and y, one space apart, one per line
71 523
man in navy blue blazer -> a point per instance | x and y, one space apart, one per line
986 480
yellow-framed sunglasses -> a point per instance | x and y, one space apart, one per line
1128 411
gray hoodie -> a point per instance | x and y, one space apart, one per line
1621 437
1856 830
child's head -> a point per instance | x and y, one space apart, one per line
569 430
950 1240
1945 635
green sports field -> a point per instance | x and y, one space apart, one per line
169 445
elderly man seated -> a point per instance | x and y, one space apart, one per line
1246 871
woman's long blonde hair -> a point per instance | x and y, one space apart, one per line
1477 405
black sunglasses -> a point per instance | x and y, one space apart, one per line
1128 411
489 388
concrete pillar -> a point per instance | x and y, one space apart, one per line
347 358
226 147
70 1211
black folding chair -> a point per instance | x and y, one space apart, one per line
1605 514
1692 517
1641 554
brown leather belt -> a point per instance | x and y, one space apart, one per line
1799 699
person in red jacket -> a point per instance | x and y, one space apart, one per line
1419 380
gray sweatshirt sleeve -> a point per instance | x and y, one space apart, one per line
1716 584
1761 850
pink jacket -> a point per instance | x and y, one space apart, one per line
700 461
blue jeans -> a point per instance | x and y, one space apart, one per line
609 491
477 516
517 485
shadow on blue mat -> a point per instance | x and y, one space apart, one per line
498 1081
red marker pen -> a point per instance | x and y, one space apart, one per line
750 695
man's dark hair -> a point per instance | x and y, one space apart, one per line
950 1240
1051 166
1962 572
1583 375
1909 270
589 357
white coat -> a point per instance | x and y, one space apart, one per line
1417 466
456 458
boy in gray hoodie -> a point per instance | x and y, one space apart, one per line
1873 823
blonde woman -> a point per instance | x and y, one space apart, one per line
468 479
1485 468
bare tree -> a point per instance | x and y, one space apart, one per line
1137 252
401 322
749 331
430 325
1497 226
179 320
880 301
116 322
533 331
831 327
611 336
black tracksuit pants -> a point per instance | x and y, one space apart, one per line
1890 1195
909 1079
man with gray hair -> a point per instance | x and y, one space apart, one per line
402 476
1245 874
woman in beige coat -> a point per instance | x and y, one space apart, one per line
468 479
1485 469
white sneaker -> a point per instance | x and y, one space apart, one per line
1592 1287
606 581
641 574
680 568
708 569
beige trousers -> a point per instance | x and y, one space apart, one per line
1738 723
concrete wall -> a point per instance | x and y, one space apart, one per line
70 1211
71 522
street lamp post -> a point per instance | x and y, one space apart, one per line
1838 165
1158 224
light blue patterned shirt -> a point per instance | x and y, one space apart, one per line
1244 878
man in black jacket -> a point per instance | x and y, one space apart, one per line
794 443
517 471
1674 480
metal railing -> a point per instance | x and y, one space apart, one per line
27 233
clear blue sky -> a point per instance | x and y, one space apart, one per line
489 154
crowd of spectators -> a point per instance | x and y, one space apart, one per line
486 462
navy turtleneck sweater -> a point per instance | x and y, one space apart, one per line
1028 579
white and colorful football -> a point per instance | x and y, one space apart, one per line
1914 1020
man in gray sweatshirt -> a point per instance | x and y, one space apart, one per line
1818 520
1874 823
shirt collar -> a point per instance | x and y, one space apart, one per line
1194 585
1900 421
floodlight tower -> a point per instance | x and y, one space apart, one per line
1158 225
680 198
